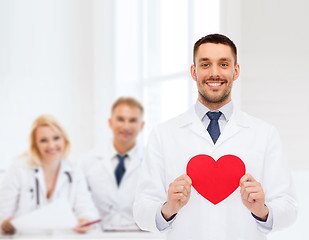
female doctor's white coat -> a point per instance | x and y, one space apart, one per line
174 143
19 193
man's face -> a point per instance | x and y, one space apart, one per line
214 72
126 122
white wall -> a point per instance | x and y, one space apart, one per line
46 66
65 51
103 27
272 40
58 57
274 51
275 70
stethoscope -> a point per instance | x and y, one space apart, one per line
37 187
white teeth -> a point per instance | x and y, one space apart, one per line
52 152
214 84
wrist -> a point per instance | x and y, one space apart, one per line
262 215
167 213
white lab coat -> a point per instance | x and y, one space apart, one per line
115 204
174 143
18 192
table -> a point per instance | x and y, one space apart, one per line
94 235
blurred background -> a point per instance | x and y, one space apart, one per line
74 58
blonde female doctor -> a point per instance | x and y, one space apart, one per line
43 176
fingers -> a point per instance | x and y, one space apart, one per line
182 183
79 228
7 227
250 193
178 196
253 196
179 193
184 177
246 178
250 189
181 187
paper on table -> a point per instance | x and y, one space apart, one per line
53 216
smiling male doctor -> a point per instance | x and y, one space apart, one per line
113 170
165 200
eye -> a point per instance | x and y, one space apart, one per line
204 65
224 65
43 140
120 119
57 138
133 120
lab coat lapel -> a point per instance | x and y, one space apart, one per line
104 156
237 121
62 178
191 120
107 164
104 169
136 158
233 126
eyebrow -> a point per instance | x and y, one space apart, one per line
221 59
226 59
203 59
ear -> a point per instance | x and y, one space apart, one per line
236 72
193 72
110 122
142 126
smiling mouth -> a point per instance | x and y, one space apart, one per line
52 152
125 134
214 84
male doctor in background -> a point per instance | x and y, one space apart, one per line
165 200
112 171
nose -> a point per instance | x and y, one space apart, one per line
214 72
126 125
51 144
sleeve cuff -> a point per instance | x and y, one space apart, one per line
258 218
265 226
161 223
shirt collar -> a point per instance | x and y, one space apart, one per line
129 153
226 110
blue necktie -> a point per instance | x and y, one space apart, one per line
120 169
213 127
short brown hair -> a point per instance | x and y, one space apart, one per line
218 39
128 101
49 121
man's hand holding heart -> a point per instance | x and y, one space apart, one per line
204 170
177 197
253 196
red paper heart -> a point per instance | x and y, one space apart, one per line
215 180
